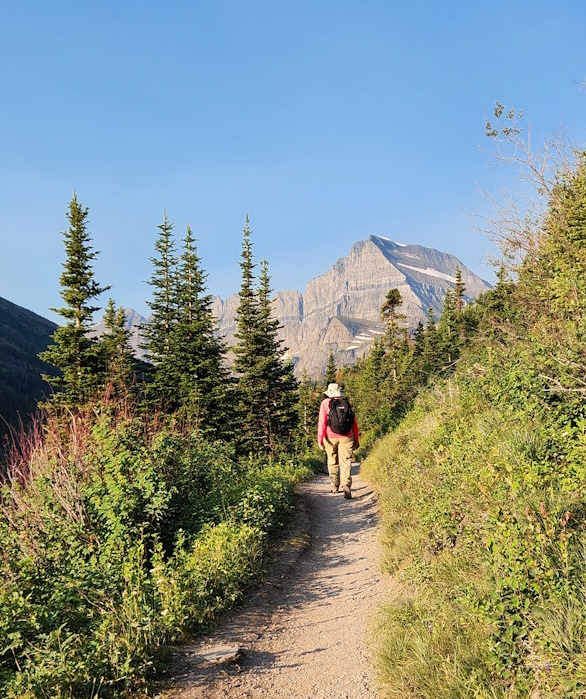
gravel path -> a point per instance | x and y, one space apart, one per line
305 632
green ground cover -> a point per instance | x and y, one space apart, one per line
118 536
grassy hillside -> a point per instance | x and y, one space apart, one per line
23 335
484 487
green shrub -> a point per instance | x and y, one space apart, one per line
484 525
119 535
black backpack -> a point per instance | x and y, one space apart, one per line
340 416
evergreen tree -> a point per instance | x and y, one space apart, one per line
392 318
373 390
308 411
74 354
196 354
247 351
158 332
331 369
418 339
267 386
115 348
430 357
459 290
449 340
279 385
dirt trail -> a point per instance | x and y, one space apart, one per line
304 634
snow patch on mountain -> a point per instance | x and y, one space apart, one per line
429 272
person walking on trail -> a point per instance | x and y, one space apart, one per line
337 432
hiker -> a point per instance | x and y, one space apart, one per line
337 431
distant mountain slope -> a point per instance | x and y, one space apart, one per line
340 309
133 323
23 334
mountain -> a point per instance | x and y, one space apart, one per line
340 310
133 322
23 334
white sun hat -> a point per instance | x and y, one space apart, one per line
333 391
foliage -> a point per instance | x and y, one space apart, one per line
331 370
119 534
383 385
187 363
73 353
268 389
483 485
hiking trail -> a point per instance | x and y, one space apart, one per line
305 632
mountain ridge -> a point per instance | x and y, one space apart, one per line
23 334
353 291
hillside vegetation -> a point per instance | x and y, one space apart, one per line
144 500
483 484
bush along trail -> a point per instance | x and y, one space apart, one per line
143 503
119 536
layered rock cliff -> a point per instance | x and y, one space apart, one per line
340 310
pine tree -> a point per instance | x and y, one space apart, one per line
459 290
308 411
158 332
373 386
246 350
276 375
115 348
430 357
418 339
392 319
449 340
74 354
331 369
196 355
266 385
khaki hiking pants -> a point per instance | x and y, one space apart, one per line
339 453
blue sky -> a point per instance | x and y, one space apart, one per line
324 121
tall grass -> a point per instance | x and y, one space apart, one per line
487 541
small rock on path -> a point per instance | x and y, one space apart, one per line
304 634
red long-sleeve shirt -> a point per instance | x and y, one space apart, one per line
323 429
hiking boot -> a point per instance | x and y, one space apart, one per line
347 493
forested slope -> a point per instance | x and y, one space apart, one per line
23 335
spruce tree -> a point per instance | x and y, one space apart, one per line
281 386
266 384
449 340
331 369
74 354
158 332
418 339
459 290
115 348
196 358
392 319
247 351
307 411
430 357
373 389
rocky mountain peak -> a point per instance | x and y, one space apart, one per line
340 309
